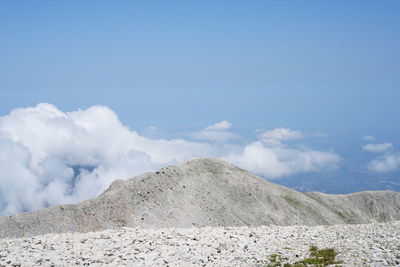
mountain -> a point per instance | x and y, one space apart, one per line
203 192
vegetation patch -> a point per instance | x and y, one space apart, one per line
276 259
212 169
292 201
341 215
318 258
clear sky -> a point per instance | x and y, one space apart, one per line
189 63
305 93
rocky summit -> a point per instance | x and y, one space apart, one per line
200 193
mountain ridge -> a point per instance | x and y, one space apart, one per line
203 192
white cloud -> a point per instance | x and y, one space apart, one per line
282 134
216 133
50 157
368 137
223 125
388 162
277 160
214 136
377 148
385 163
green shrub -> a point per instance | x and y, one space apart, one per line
318 258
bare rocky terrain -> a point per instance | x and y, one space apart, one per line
356 245
201 193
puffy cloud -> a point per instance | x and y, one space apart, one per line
377 148
385 163
216 133
50 157
222 125
274 160
282 134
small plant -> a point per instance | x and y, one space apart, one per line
292 201
323 257
276 259
343 217
318 258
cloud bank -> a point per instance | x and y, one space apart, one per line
50 157
274 160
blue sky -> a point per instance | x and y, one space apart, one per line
178 64
302 92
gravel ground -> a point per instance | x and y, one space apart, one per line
357 245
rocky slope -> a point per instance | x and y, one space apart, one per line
203 192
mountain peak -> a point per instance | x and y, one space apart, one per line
203 192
